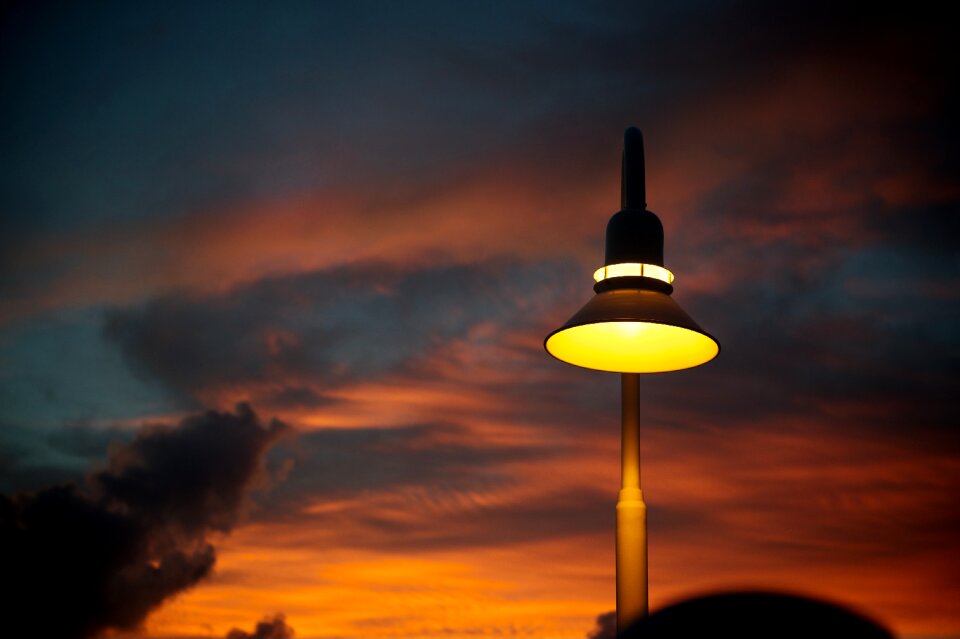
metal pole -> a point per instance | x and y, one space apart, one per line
631 512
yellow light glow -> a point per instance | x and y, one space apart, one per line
632 347
633 270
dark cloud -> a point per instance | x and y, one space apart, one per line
606 627
297 397
330 327
337 463
104 555
396 483
651 63
404 476
818 348
467 520
270 628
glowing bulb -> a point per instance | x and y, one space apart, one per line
633 270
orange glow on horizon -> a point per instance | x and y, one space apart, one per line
335 576
359 594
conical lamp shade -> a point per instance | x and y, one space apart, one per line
628 330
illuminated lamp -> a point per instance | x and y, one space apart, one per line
632 325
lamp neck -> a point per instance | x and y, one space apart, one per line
634 234
633 192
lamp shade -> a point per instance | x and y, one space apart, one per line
632 330
632 325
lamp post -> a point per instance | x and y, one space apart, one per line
632 326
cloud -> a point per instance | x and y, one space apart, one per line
335 463
786 166
270 628
328 327
606 627
376 487
104 555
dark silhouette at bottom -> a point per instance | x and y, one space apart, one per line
755 615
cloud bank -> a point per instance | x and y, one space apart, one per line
89 558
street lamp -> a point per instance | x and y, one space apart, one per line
632 326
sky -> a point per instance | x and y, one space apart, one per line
275 279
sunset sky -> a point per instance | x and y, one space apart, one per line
275 279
